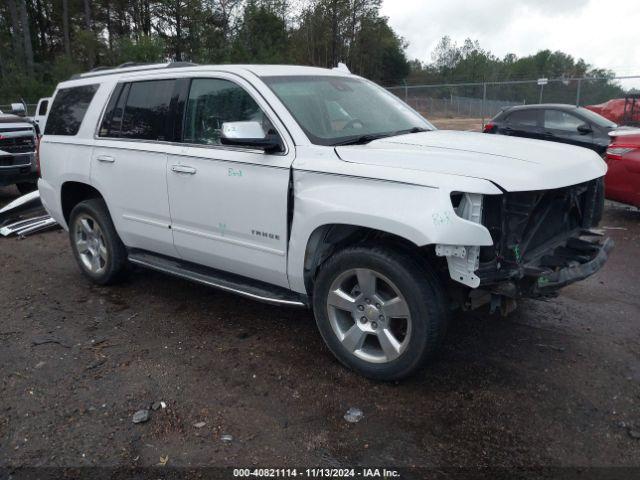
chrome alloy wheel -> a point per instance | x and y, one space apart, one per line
90 244
369 315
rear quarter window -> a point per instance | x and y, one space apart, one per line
68 110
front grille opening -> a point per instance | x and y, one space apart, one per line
523 224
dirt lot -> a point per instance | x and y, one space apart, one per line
555 384
468 124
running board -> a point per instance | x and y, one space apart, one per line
256 290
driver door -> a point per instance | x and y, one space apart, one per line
229 204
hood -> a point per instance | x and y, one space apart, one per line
515 164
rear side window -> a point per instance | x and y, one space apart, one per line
524 117
146 110
43 108
68 110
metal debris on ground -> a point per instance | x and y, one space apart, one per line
141 416
25 216
199 424
353 415
158 406
226 438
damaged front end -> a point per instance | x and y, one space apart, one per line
542 241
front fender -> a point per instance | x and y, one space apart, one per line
421 215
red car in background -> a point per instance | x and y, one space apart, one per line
622 182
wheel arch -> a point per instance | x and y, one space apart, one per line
72 193
329 238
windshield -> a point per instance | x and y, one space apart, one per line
597 119
335 110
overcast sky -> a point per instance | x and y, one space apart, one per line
605 33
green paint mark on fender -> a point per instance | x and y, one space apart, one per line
234 172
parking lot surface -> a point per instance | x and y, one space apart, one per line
556 383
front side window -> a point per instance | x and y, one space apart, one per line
559 120
335 110
146 111
211 103
68 110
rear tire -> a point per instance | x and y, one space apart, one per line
380 312
96 246
26 187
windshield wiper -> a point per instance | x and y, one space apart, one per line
410 130
363 139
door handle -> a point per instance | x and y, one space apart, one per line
105 158
183 169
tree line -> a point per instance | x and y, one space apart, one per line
469 63
45 41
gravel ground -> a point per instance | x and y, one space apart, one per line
555 384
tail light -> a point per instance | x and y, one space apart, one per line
489 128
37 156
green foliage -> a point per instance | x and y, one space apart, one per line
262 36
94 33
470 63
145 49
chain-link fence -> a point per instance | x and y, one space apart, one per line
469 105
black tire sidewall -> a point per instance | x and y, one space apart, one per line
421 290
97 210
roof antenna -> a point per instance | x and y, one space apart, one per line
342 68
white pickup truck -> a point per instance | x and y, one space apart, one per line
303 186
17 150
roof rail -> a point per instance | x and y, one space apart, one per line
100 71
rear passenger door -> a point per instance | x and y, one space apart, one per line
129 162
522 123
229 204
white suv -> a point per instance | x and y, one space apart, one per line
309 187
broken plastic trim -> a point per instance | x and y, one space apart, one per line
23 205
463 261
29 226
565 276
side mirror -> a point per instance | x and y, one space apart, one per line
584 129
18 109
249 134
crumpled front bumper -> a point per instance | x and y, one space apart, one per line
572 260
547 283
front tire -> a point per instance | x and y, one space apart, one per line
380 311
96 246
